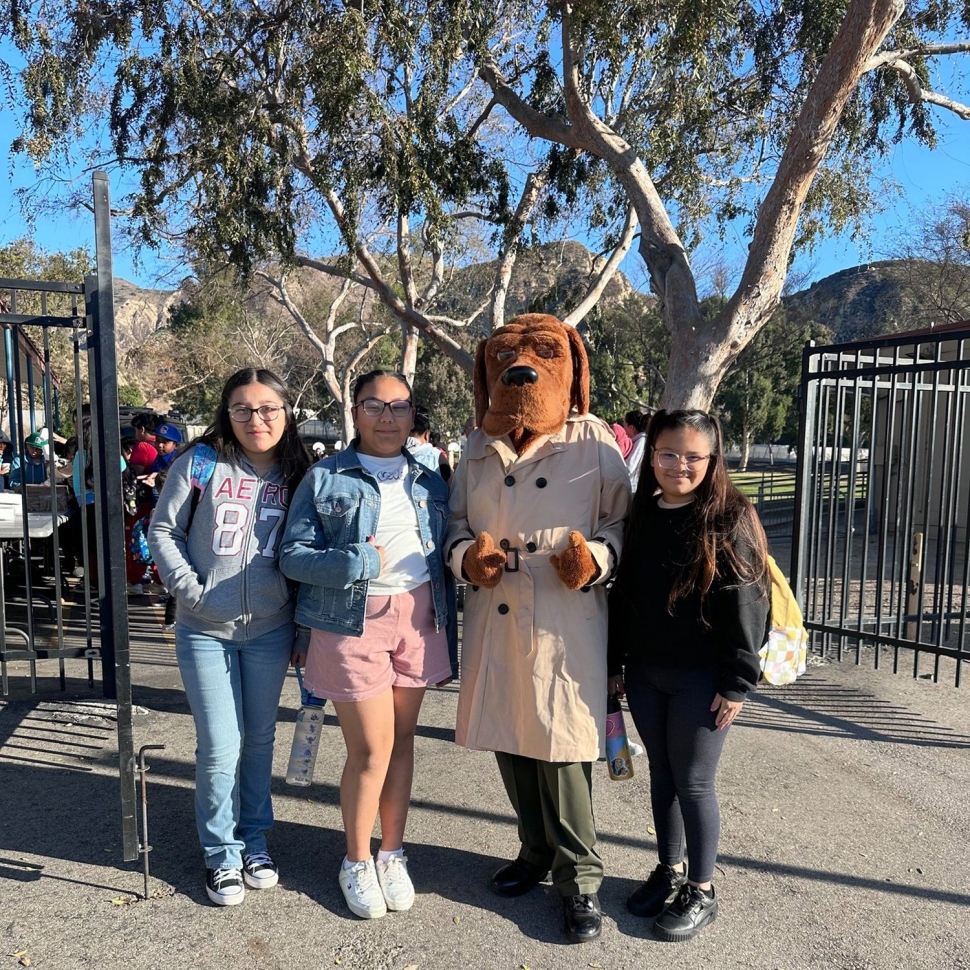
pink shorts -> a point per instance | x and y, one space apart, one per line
399 648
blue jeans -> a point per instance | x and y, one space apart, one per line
233 688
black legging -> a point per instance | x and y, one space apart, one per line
671 709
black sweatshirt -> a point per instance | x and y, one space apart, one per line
643 631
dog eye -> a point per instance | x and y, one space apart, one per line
547 352
505 354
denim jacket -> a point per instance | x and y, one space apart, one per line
325 548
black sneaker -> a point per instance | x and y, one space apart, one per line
259 871
225 886
650 899
169 623
686 916
582 917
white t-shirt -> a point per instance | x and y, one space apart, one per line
405 567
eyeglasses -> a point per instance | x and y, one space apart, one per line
374 408
670 459
268 412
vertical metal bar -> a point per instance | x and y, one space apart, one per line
109 510
11 356
890 483
28 579
55 514
868 506
926 486
850 512
834 482
803 469
83 446
915 425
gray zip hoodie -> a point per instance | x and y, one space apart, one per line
225 572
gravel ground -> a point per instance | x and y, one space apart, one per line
844 802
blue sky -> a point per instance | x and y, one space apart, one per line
925 178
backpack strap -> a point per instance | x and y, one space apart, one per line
203 465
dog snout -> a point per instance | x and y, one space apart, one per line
519 376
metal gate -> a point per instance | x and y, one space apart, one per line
55 606
883 500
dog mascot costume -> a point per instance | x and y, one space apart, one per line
538 503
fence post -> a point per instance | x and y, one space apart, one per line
913 605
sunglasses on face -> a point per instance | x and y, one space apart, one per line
374 408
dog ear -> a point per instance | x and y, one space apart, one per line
480 384
579 389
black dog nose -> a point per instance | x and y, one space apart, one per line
519 376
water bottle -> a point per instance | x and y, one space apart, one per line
306 737
617 747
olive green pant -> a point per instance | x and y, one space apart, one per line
553 803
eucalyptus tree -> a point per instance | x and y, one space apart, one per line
278 131
769 115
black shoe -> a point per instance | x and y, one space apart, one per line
582 917
686 916
518 877
659 889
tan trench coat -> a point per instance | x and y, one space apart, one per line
533 661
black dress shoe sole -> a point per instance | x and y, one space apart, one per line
682 936
584 937
519 889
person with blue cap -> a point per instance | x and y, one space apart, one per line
168 439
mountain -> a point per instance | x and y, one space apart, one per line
885 297
855 303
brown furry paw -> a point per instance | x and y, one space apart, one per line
575 564
483 563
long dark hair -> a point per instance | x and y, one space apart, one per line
291 452
726 537
372 375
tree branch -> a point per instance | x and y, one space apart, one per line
607 272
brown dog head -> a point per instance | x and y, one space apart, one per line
529 374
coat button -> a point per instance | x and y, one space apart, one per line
422 504
437 585
504 544
474 589
430 544
541 483
509 480
503 608
531 547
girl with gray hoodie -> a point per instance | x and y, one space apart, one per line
215 538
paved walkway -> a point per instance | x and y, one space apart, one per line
844 800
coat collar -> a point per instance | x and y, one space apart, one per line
481 446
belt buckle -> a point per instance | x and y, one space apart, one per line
512 556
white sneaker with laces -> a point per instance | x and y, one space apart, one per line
362 890
396 883
259 871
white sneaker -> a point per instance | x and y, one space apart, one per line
396 883
635 749
259 871
362 890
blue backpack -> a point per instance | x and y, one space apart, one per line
203 465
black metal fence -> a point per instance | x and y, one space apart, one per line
62 547
883 500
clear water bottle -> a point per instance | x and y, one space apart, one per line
306 737
618 759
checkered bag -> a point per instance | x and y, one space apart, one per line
783 655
